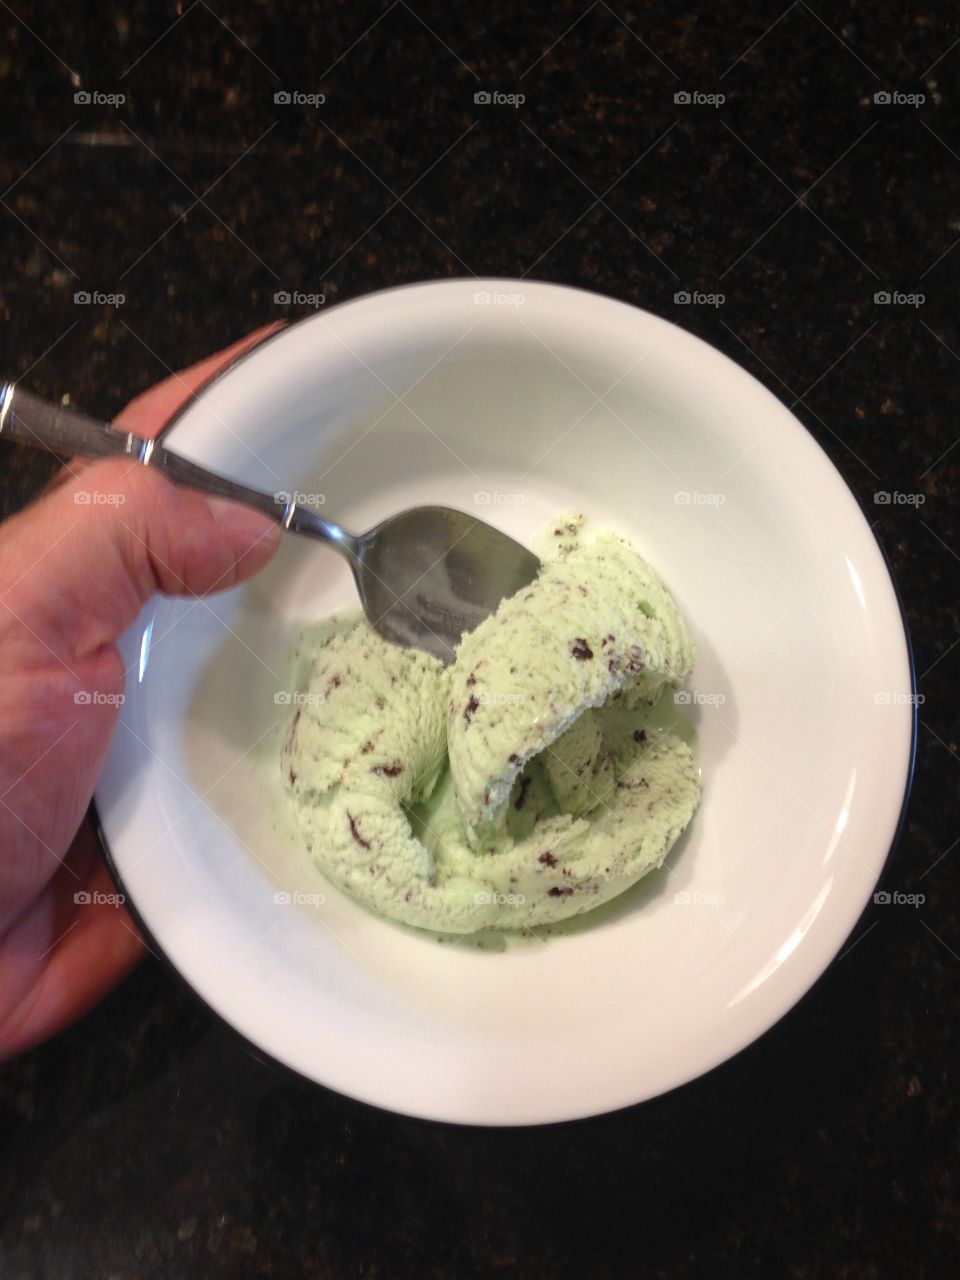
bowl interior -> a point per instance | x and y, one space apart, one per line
520 402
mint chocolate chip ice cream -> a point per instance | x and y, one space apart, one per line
526 783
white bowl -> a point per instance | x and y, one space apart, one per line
519 401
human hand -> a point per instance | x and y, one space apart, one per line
73 577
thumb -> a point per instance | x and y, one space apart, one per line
77 566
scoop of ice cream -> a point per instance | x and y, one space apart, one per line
596 625
366 710
597 804
367 727
555 865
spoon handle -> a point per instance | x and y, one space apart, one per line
30 420
33 421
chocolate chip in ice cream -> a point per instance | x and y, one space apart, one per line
355 832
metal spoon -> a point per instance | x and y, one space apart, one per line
424 576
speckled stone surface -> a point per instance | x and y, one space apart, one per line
145 1141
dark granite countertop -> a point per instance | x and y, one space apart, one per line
146 1141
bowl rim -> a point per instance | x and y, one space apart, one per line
264 1055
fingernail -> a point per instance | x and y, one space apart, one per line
246 530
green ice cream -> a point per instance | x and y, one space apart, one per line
524 784
596 626
579 765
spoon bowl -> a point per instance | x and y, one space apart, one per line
428 575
